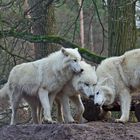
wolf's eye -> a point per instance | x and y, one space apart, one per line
97 93
87 84
75 60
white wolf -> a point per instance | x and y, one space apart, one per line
42 78
118 76
81 84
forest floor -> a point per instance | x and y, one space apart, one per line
88 131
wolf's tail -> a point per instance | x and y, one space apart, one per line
4 91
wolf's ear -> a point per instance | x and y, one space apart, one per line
64 51
76 49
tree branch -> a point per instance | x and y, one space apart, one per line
90 56
12 54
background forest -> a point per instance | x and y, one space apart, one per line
32 29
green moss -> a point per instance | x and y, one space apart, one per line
90 56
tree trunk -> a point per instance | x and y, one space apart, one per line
42 24
121 26
82 36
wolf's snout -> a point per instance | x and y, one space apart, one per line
91 97
77 70
96 104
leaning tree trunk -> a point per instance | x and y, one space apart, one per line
42 24
121 26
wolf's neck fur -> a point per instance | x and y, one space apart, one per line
122 74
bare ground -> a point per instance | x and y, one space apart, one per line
88 131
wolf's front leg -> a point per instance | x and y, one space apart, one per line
64 100
79 108
44 99
125 100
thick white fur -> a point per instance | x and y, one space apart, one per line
42 78
80 85
118 76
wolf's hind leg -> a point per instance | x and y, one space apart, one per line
14 99
79 108
125 99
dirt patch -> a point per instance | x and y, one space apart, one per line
88 131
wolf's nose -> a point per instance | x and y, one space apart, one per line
91 96
82 70
96 104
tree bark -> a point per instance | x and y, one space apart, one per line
82 36
43 24
121 26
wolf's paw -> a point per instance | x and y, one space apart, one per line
84 120
120 121
73 122
49 122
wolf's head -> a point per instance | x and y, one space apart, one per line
71 59
85 81
104 92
